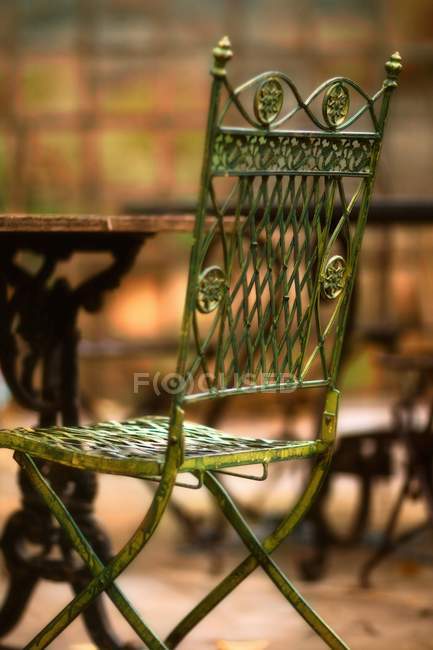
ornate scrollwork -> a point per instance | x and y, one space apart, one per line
334 277
268 100
238 153
274 90
336 103
211 286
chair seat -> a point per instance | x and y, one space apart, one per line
137 447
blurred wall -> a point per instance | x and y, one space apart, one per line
103 106
103 102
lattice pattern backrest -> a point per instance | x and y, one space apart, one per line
272 268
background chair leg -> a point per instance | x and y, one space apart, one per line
386 544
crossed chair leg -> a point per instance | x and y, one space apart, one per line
104 576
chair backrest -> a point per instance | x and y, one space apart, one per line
278 229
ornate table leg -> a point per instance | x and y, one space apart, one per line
42 312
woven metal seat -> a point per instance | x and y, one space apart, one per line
138 447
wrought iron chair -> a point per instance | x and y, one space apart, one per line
254 322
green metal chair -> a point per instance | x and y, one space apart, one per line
269 316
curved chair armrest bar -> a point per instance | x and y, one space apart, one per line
262 476
182 484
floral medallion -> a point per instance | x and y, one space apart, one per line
268 100
336 104
211 285
334 277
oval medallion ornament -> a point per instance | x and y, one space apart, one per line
334 277
211 284
336 104
268 100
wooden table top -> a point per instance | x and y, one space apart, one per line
92 223
382 212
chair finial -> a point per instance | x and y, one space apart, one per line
221 53
393 67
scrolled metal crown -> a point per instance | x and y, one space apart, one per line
393 67
221 53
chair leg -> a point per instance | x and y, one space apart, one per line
104 576
268 565
385 546
245 568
